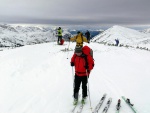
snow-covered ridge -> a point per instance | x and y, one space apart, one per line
146 30
126 36
17 35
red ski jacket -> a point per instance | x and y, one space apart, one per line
80 62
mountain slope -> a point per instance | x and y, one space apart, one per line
126 36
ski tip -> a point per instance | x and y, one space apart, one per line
123 96
110 99
91 108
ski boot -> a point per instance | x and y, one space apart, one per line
118 104
128 101
75 102
83 100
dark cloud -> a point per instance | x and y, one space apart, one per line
86 12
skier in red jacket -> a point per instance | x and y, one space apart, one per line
84 63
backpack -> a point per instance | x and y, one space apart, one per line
87 51
62 42
81 38
91 53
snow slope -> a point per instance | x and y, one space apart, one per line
38 79
125 35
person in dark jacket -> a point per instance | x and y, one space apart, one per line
87 34
117 42
83 62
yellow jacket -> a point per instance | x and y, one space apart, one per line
79 39
59 32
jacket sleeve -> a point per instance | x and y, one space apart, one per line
73 58
90 62
73 38
84 39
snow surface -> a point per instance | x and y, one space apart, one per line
39 79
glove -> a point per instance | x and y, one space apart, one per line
72 64
86 67
69 38
88 71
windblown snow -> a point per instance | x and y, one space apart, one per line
39 79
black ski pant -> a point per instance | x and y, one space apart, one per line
59 39
88 39
77 82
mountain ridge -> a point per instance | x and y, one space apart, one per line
126 36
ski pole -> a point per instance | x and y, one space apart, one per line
89 90
53 40
68 50
68 44
73 77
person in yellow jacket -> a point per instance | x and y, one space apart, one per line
79 38
59 33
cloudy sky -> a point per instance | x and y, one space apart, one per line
76 12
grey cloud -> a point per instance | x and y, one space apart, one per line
76 11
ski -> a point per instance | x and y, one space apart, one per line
99 104
80 108
128 102
107 105
66 50
118 106
74 107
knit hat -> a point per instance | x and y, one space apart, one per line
78 49
78 32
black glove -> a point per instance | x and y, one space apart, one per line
88 71
69 38
86 67
72 64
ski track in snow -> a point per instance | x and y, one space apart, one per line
39 79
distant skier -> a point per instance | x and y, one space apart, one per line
117 42
79 38
83 62
87 34
59 34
